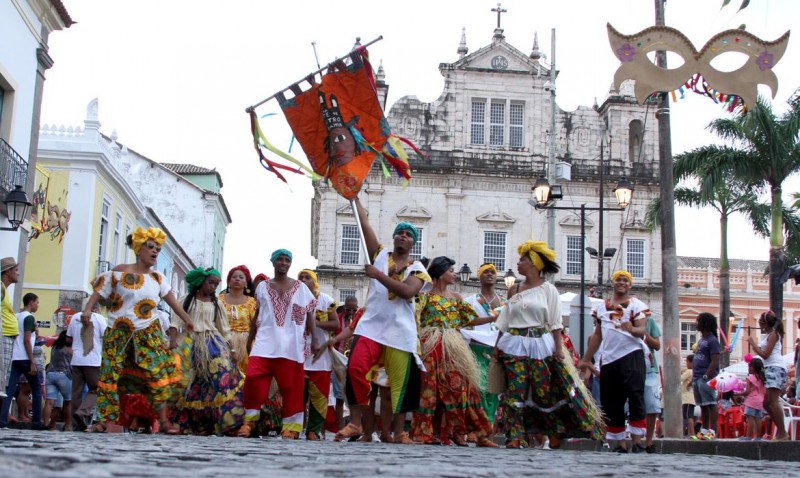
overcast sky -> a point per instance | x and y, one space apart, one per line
173 79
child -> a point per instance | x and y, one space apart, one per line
754 399
687 396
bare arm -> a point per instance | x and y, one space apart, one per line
370 239
559 350
406 289
175 306
652 342
87 311
331 325
251 336
767 350
592 347
713 365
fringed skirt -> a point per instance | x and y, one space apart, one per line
450 402
544 394
212 402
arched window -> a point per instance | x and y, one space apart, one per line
635 133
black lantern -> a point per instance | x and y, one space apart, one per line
18 208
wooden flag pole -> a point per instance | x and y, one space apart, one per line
360 231
251 108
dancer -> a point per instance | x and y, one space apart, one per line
212 402
240 305
544 393
487 303
450 406
318 370
620 324
136 358
286 314
387 332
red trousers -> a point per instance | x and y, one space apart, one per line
291 382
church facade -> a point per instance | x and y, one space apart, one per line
486 142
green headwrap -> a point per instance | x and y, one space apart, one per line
195 277
280 252
410 227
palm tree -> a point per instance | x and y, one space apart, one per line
761 148
720 191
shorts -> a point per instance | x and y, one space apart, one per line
775 377
652 393
704 396
57 384
688 411
753 412
338 394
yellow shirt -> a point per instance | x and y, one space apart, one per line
10 322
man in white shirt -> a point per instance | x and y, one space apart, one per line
87 347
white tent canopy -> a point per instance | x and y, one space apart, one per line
567 299
740 369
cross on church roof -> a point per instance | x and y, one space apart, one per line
500 10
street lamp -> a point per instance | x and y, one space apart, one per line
608 254
18 208
509 278
464 273
624 191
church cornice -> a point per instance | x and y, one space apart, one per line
414 214
496 219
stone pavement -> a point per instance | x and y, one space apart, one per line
25 453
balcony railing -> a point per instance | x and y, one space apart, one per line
13 168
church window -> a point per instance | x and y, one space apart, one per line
416 252
574 253
350 253
497 123
634 257
688 335
345 293
635 132
478 133
516 136
494 248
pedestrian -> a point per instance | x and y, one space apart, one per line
770 348
705 367
387 332
487 303
544 395
87 346
10 324
23 364
652 383
58 382
450 406
135 354
687 397
318 368
753 394
212 403
240 305
620 325
286 313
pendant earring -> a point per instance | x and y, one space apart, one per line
246 290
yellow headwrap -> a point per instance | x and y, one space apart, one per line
141 235
622 273
313 276
536 250
485 268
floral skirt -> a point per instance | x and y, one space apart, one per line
450 406
212 402
545 396
136 362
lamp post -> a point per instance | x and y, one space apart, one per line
464 273
542 200
18 208
509 278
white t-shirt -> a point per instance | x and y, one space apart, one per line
282 322
324 362
391 320
618 343
775 358
19 352
94 358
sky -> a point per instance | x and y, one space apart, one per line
173 80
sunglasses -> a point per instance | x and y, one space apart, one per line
153 245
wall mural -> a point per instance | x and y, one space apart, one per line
48 218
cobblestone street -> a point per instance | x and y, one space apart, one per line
29 453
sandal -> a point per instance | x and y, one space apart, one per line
460 441
387 438
290 435
513 444
351 430
365 438
312 436
404 439
98 427
485 442
245 430
169 428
